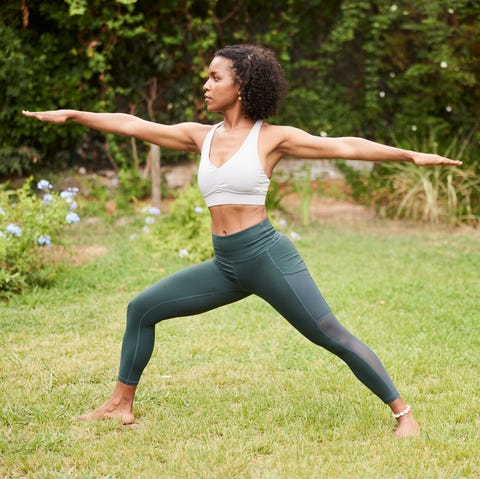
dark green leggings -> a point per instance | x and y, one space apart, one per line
260 261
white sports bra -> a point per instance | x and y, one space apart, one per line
239 181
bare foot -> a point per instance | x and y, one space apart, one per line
407 426
108 411
119 406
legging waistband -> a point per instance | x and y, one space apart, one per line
246 243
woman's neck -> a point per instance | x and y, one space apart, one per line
233 121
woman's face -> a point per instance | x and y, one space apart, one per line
221 92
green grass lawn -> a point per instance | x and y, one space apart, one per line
238 393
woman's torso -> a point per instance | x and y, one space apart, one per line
229 152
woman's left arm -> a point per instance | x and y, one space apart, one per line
298 143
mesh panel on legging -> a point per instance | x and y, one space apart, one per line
363 362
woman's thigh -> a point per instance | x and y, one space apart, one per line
281 278
193 290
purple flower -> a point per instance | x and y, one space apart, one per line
2 212
44 240
44 185
73 206
47 198
295 236
153 210
149 220
67 195
183 253
14 230
198 209
72 218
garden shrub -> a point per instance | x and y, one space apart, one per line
132 187
185 231
28 224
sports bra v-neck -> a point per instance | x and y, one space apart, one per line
241 180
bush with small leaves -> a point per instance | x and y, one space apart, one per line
30 222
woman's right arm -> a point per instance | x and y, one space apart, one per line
182 136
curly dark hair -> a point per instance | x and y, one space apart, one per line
260 77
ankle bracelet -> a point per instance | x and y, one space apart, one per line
402 413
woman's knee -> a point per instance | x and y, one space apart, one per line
333 336
140 309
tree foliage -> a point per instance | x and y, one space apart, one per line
356 67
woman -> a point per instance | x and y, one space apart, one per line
245 85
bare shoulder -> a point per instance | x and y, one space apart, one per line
271 144
277 139
195 128
276 130
196 131
280 133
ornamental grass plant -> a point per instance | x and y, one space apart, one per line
430 195
433 195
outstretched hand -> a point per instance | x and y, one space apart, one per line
53 116
426 159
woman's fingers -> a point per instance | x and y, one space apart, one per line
54 116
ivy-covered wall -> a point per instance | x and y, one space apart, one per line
386 70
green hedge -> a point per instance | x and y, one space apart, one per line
370 68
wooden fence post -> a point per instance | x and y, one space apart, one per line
155 158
